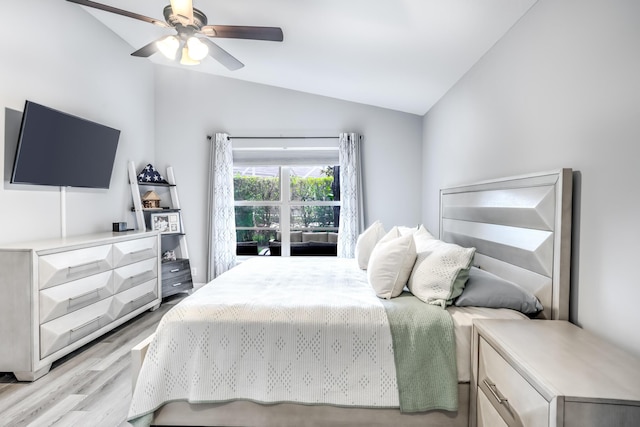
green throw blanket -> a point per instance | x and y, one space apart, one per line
424 348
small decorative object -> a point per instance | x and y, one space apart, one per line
150 175
150 200
166 223
169 256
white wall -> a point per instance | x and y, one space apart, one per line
561 89
56 54
191 106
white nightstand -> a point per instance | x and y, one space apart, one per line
550 373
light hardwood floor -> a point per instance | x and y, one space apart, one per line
89 387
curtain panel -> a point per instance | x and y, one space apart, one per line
351 210
222 223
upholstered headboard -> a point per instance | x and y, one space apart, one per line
521 229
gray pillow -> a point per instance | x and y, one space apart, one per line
484 289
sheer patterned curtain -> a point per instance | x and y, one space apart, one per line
222 226
351 209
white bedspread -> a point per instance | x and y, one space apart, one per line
316 334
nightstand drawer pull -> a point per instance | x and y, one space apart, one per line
494 391
175 270
176 284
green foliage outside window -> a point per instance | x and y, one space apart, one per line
257 188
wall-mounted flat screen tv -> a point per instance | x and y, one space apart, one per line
58 149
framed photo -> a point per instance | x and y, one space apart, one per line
166 223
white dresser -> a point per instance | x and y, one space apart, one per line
59 294
550 373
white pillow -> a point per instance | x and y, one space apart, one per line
390 235
422 238
436 269
366 242
404 230
390 265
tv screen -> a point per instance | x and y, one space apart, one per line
56 148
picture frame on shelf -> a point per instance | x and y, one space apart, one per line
166 222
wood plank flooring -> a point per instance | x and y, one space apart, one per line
89 387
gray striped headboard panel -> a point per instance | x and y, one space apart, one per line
521 229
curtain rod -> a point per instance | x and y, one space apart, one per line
209 137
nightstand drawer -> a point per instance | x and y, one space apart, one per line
488 416
517 402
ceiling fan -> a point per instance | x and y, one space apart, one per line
190 24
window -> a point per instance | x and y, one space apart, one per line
300 199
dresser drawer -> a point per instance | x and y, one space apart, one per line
488 416
173 269
131 251
508 392
65 330
133 275
69 297
66 266
131 299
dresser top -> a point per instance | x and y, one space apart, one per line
561 359
75 241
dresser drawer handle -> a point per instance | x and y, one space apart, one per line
95 291
494 390
143 274
176 284
141 297
91 265
84 325
138 251
175 270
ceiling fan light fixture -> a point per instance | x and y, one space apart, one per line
186 59
169 47
183 8
196 49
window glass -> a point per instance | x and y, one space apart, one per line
315 217
312 183
258 183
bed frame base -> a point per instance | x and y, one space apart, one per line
244 413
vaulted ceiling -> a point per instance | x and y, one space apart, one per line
398 54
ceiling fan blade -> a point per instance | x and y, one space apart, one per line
273 34
147 50
183 8
222 56
122 12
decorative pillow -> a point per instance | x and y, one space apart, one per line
390 235
422 238
484 289
404 230
438 274
366 242
390 265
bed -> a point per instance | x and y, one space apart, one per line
279 374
